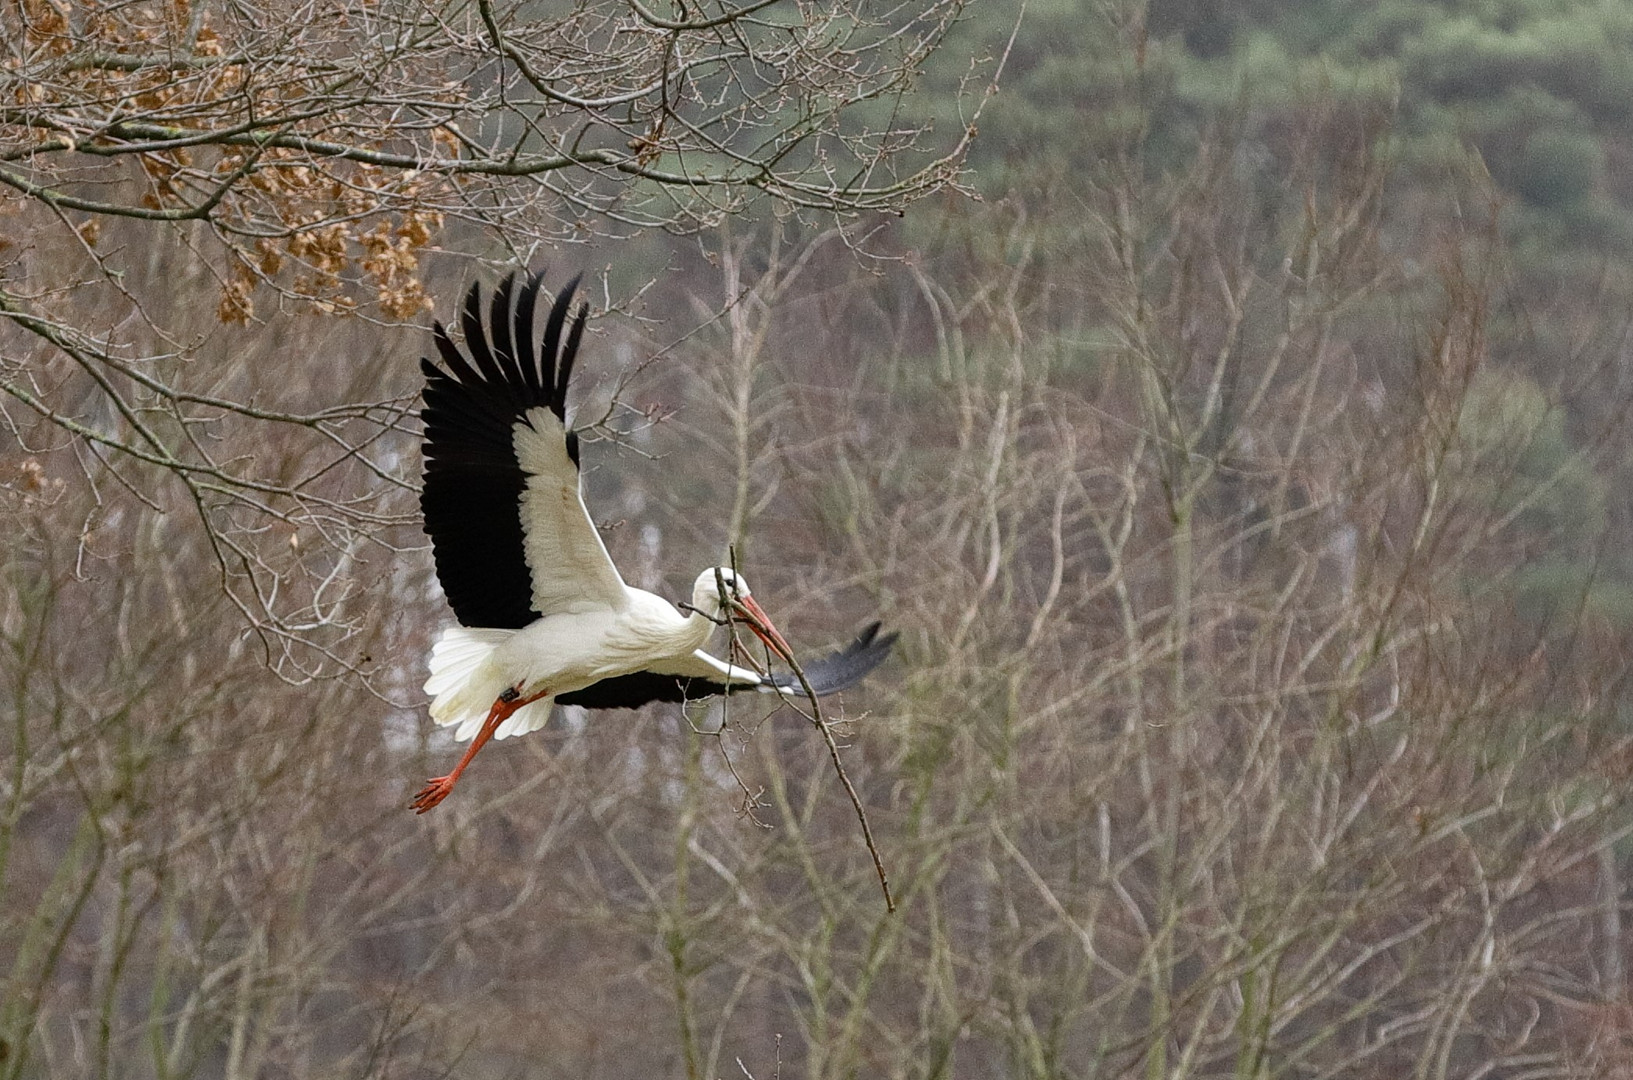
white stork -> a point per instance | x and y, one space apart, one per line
544 615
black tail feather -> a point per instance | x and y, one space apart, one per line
843 669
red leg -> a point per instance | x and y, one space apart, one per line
437 788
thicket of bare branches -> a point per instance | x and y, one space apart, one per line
170 172
1259 709
285 126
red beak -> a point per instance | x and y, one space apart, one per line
759 622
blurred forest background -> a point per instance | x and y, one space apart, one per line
1229 411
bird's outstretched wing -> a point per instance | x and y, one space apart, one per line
502 503
701 675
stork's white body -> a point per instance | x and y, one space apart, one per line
470 667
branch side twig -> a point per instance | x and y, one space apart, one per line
733 616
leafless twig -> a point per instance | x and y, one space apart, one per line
817 721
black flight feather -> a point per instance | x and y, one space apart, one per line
524 332
476 340
504 353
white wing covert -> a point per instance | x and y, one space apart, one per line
566 559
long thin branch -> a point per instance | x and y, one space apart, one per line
821 725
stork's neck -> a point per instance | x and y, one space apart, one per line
661 625
695 631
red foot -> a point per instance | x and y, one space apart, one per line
436 789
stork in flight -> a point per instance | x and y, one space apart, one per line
544 615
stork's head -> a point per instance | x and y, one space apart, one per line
721 589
